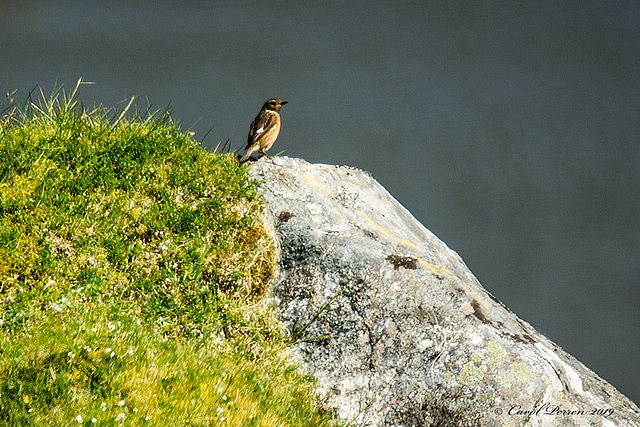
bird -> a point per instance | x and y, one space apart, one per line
264 129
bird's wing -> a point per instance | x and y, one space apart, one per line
259 125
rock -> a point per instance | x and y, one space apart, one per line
394 326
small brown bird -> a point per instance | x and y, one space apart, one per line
264 129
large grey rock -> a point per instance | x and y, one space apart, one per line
395 327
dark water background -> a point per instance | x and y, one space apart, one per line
510 129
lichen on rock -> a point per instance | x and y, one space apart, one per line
395 327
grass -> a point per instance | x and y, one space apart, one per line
133 266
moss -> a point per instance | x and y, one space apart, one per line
131 267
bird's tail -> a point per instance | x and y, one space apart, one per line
247 155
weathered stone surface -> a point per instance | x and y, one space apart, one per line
394 326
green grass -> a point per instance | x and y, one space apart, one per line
133 266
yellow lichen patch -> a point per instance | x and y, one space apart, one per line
489 358
491 355
471 373
523 371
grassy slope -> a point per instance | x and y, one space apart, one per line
132 264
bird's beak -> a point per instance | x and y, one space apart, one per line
285 102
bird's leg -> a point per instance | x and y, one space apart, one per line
268 156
